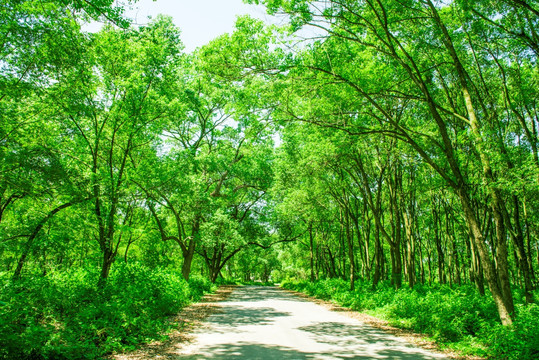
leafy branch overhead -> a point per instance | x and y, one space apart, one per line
382 153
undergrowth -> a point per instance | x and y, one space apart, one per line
456 317
64 315
228 281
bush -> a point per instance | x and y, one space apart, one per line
521 340
200 286
65 316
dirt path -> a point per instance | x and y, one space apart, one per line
269 323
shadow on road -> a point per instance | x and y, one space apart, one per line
267 323
237 315
340 334
248 351
262 293
272 352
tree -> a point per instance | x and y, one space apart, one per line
111 106
425 92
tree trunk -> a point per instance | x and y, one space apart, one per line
421 263
410 247
498 285
395 245
108 259
364 237
188 259
189 250
311 250
377 258
351 258
476 269
458 278
528 241
497 275
522 257
396 262
438 241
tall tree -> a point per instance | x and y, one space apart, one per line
425 92
111 107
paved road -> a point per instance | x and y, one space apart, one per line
268 323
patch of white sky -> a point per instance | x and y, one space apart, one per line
200 21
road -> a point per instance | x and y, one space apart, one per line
269 323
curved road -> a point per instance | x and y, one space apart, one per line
269 323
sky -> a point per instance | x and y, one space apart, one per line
199 20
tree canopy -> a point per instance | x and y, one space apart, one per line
397 146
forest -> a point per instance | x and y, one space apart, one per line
388 162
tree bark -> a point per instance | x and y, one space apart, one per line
410 246
108 259
311 250
377 258
518 239
351 258
503 304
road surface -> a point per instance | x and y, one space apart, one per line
269 323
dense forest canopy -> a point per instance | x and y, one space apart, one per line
400 144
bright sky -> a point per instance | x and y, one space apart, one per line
199 20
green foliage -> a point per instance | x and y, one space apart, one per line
519 341
199 286
64 316
221 231
170 157
458 317
323 289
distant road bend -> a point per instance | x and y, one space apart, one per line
269 323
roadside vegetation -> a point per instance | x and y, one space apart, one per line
65 316
455 317
396 150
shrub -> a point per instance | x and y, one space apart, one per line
200 286
519 341
65 316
